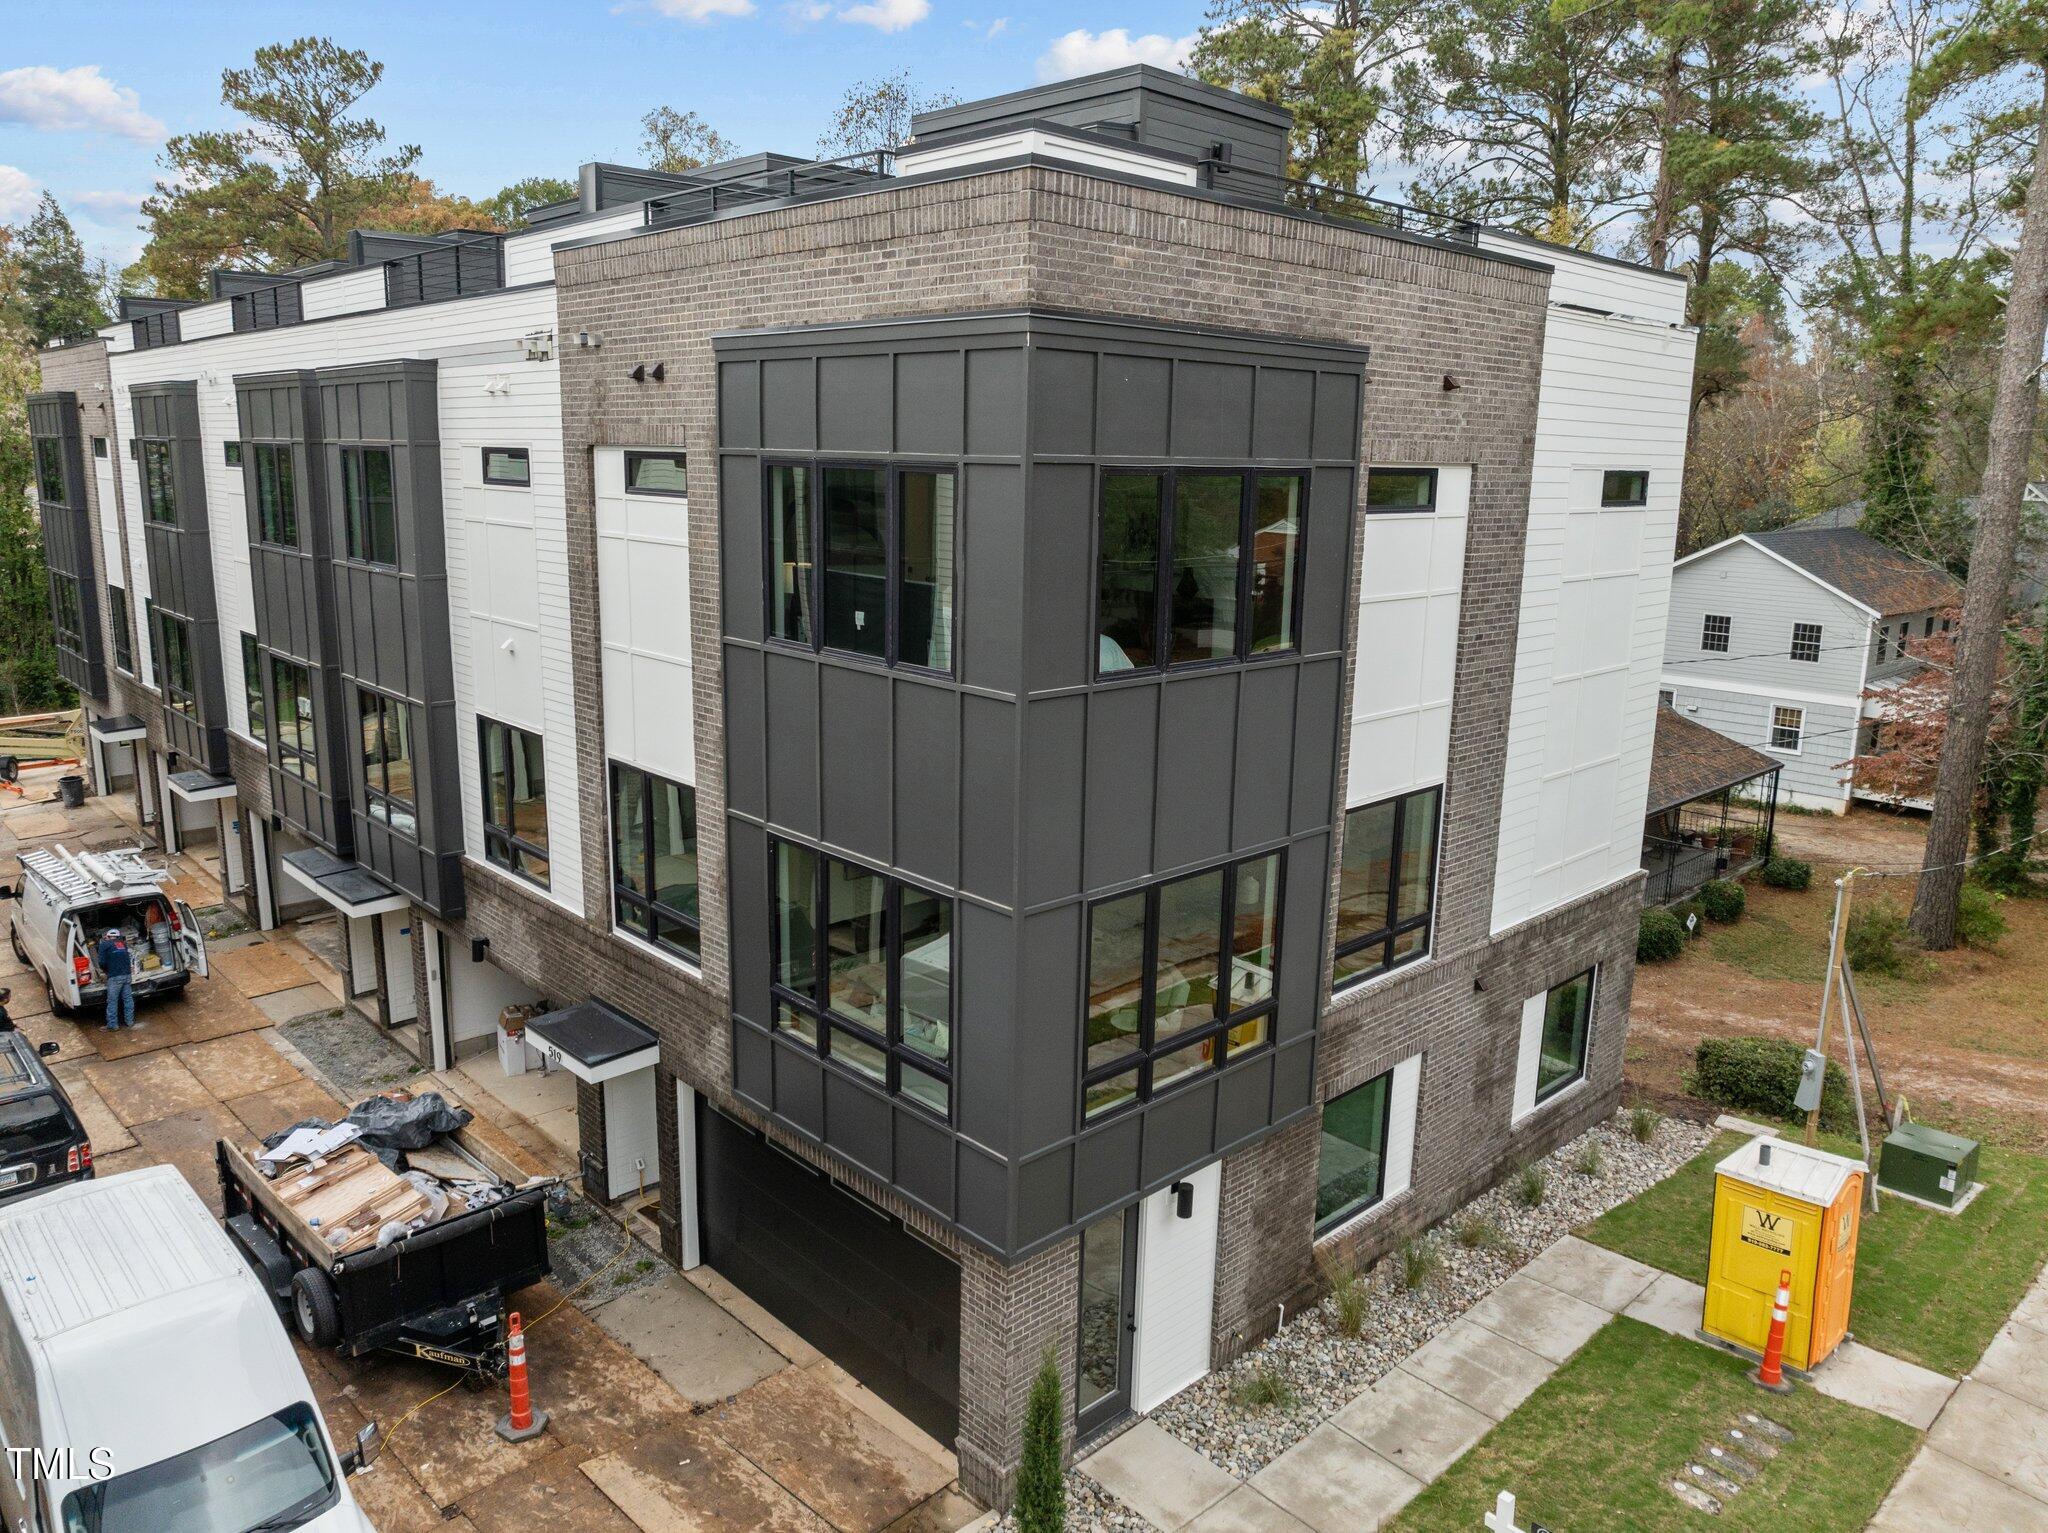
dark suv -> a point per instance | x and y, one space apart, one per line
42 1143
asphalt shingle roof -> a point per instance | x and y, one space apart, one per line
1856 564
1690 761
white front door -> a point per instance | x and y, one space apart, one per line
1176 1287
632 1153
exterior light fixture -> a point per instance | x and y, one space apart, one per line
478 946
1183 1199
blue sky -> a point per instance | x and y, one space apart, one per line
494 92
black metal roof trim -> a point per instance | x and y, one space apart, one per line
1124 76
328 319
594 1032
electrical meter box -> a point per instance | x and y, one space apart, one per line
1927 1164
1778 1208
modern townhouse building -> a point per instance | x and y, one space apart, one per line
1056 723
1787 641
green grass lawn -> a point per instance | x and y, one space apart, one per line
1596 1448
1930 1288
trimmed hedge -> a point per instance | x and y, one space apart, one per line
1761 1075
1723 900
1660 938
1787 873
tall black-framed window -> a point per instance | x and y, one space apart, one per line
654 859
861 559
67 611
1625 487
515 799
159 489
861 968
1567 1027
50 471
1197 567
657 473
1714 630
385 729
508 465
117 617
177 667
369 516
1400 489
277 493
1181 979
1806 642
1351 1167
252 689
292 719
1386 885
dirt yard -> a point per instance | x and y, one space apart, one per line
1963 1034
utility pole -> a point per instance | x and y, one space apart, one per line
1836 939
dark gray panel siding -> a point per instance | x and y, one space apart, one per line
68 539
180 556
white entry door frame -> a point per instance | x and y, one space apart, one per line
1176 1286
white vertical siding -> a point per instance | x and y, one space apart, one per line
1410 580
344 293
643 583
530 257
1176 1289
103 471
1595 592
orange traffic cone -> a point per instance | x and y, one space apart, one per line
1771 1372
522 1421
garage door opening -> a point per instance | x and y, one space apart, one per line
850 1279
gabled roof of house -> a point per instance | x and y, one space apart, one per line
1690 761
1863 569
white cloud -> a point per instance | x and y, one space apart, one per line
73 100
107 202
1082 52
17 195
702 10
888 15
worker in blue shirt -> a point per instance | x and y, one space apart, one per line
119 969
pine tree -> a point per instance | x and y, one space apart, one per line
1041 1482
57 290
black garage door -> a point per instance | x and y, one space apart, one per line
835 1269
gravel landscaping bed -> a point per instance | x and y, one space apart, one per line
1090 1509
1322 1369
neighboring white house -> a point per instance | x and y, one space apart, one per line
1776 638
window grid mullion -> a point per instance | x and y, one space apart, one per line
1162 594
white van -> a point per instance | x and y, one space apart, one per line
145 1385
67 901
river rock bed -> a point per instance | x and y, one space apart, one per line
1323 1370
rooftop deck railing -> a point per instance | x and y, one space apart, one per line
789 183
455 269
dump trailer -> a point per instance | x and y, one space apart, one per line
438 1292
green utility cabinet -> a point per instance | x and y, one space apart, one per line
1925 1163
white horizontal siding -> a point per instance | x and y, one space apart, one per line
1762 597
1410 582
1595 594
216 318
1818 771
1057 146
530 256
1612 287
345 293
645 605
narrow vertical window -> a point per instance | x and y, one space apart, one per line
1567 1021
654 859
1351 1169
369 517
924 542
852 509
252 689
515 800
1127 573
789 552
1276 540
1202 584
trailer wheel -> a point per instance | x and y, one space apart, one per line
314 1310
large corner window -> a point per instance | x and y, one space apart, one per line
654 859
861 966
1567 1024
1181 980
860 560
50 471
515 800
368 517
1351 1168
1197 567
159 490
117 616
252 689
277 494
177 667
385 728
67 611
291 696
1386 885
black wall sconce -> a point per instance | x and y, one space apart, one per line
478 946
1183 1199
643 372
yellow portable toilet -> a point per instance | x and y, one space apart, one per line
1780 1206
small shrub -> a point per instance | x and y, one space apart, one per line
1690 918
1419 1263
1589 1161
1348 1298
1041 1479
1479 1233
1530 1186
1723 900
1263 1389
1761 1075
1979 921
1642 1124
1660 938
1787 873
1879 940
